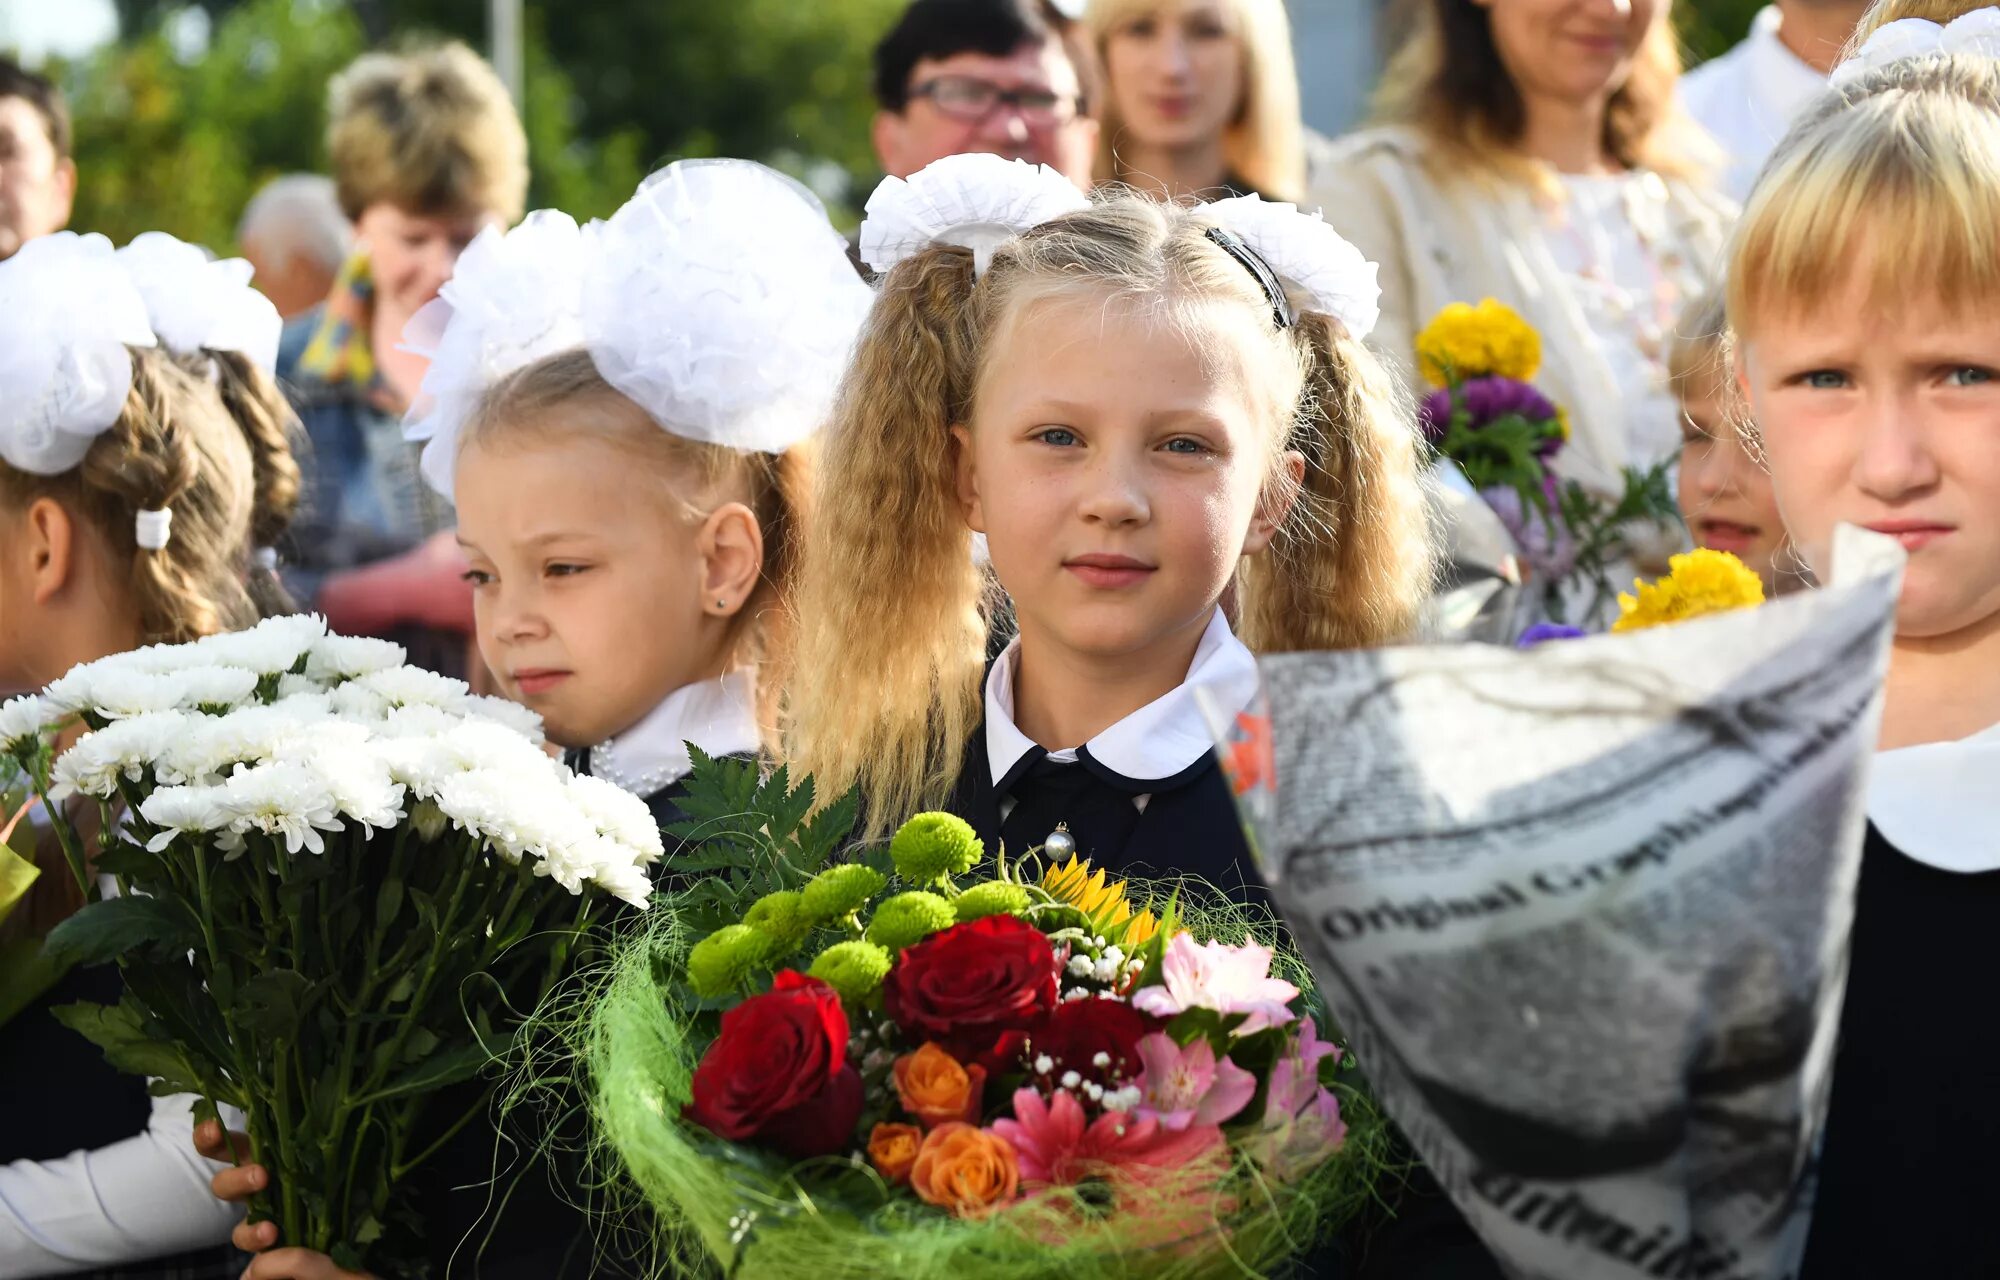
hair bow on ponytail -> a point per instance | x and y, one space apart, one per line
1308 257
978 202
68 313
1975 34
196 302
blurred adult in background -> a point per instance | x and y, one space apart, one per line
426 152
1748 97
956 76
1533 151
295 235
1201 98
37 175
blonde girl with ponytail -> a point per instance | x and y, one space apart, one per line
1146 411
128 493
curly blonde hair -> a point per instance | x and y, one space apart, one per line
891 629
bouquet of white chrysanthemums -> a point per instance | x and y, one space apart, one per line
340 884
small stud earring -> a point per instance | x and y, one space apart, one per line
721 604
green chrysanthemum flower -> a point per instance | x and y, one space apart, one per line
725 960
839 892
932 846
854 969
994 898
909 918
782 918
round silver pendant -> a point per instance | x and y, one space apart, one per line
1060 843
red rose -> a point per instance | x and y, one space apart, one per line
779 1074
974 988
1079 1030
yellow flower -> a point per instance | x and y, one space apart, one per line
1105 904
1702 582
1464 341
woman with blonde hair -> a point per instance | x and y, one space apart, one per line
1531 151
1201 98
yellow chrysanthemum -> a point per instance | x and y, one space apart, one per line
1702 582
1109 912
1465 341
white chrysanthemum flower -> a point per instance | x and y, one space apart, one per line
24 717
488 805
418 764
406 686
479 743
214 745
358 778
335 658
291 686
630 884
124 749
165 659
357 701
605 862
183 810
118 692
418 721
226 687
287 800
618 814
520 719
272 647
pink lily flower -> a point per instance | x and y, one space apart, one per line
1189 1086
1209 975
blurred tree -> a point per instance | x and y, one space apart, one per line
1709 27
617 87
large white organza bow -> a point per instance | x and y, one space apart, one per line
980 202
196 302
68 313
515 297
721 301
1975 34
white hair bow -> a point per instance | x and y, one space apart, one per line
68 313
982 201
721 301
515 297
1976 33
195 302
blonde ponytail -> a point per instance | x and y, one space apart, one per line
1351 565
270 430
890 632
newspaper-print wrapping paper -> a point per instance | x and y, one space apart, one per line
1583 911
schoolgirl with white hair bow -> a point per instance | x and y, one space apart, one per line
1143 409
128 492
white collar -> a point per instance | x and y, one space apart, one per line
1161 739
1784 80
719 716
1935 802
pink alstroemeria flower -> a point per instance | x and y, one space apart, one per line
1302 1123
1209 975
1189 1086
1054 1145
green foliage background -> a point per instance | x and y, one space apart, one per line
614 88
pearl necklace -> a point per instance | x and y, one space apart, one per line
604 765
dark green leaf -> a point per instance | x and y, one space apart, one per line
271 1004
388 901
115 927
120 1031
447 1067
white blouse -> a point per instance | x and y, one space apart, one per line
1935 802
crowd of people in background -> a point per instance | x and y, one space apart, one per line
1544 153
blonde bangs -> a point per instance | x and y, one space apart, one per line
1899 183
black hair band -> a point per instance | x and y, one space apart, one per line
1253 262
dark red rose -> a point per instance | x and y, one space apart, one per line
974 988
1079 1030
778 1072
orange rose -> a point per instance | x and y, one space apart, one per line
892 1148
936 1089
966 1170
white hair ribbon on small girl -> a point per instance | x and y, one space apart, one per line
68 313
198 303
1308 256
721 301
514 298
152 530
1974 34
978 202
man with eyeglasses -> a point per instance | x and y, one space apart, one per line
955 76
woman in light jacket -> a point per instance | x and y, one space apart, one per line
1532 151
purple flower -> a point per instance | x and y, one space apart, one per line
1302 1124
1486 399
1545 542
1543 632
